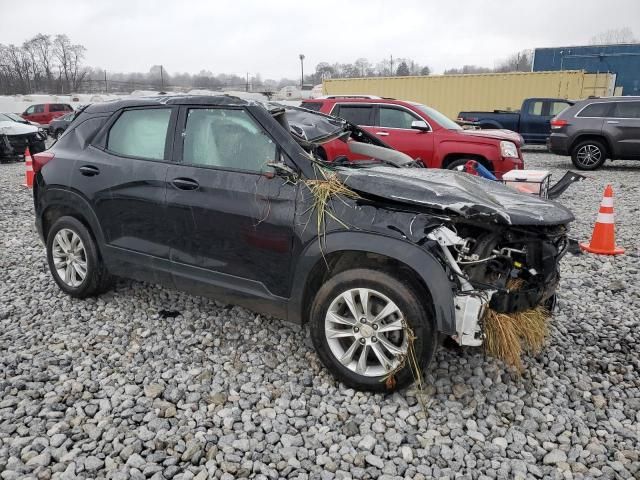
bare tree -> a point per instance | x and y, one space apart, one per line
518 62
615 35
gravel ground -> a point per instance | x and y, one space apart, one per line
111 388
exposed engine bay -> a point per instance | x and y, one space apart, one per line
488 266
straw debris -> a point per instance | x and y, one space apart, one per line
509 334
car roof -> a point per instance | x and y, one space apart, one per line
360 100
213 100
610 99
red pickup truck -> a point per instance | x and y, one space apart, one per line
421 132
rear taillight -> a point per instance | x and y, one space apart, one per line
41 159
558 123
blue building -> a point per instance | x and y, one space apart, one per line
623 60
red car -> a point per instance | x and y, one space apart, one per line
421 132
43 113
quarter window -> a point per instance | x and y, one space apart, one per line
626 110
356 114
140 133
226 138
557 108
56 107
595 110
395 118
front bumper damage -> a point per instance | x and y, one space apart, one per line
484 281
14 146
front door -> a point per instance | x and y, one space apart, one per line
393 126
232 220
624 127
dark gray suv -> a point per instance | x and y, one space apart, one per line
596 129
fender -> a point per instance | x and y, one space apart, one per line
417 258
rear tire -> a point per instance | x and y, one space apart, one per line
350 345
73 259
588 155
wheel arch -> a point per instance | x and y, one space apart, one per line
58 203
452 157
343 250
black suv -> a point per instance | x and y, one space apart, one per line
226 198
595 129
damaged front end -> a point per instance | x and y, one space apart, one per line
509 270
15 138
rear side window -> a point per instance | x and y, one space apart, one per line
626 110
595 110
140 133
315 106
396 118
356 114
56 107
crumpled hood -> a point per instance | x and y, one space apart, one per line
456 193
495 134
15 128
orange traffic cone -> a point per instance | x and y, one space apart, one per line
28 175
603 240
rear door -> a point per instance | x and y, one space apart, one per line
393 126
123 175
535 122
231 219
624 128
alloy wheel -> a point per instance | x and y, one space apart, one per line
589 155
365 332
69 257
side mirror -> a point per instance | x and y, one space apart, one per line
420 125
282 170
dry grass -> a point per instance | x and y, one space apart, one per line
323 191
509 334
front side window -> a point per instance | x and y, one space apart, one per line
38 109
356 114
140 133
30 110
535 108
226 138
315 106
595 110
626 110
396 118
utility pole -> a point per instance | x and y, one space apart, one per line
161 78
247 87
106 85
392 65
301 70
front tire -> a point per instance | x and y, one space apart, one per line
73 259
589 155
357 327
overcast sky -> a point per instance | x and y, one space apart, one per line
266 36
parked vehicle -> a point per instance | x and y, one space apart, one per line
215 196
532 121
43 113
421 132
60 124
596 129
16 136
12 117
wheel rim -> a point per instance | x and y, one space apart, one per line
365 332
69 257
589 155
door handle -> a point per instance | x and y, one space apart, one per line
383 134
185 184
612 122
89 170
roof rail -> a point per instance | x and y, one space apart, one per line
331 97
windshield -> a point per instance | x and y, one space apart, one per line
441 119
